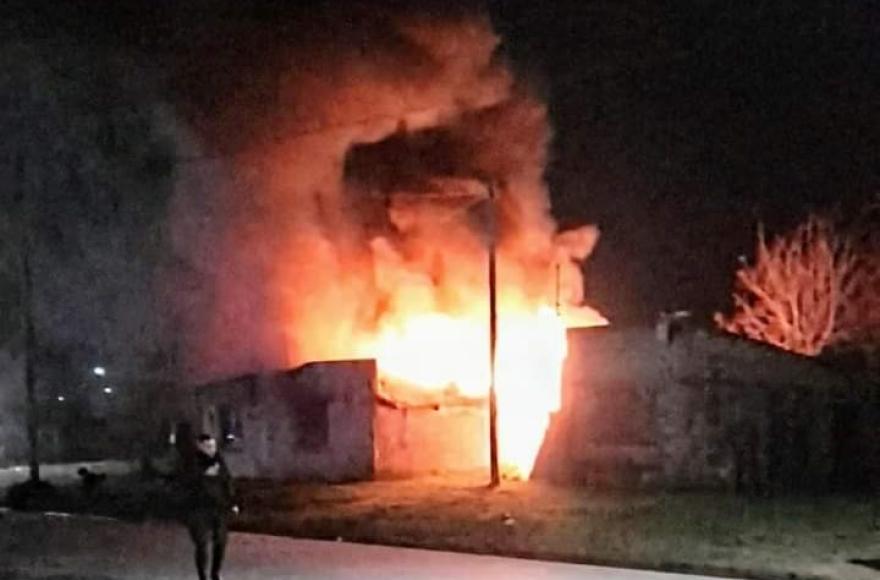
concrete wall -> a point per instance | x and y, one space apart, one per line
431 439
690 409
312 423
325 422
685 409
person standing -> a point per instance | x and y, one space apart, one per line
209 500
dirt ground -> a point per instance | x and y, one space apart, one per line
790 537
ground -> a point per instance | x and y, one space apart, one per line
806 537
689 532
40 547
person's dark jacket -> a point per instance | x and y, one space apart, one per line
208 484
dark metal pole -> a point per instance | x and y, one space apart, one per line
493 334
27 316
33 421
558 280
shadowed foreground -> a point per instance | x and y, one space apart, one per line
804 537
55 547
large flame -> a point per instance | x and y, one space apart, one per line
442 353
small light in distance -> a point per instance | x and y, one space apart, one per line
108 390
99 371
60 398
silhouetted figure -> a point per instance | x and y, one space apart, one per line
209 500
90 481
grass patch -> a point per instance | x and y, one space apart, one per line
789 537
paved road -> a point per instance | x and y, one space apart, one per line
57 547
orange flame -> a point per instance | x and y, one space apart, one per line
439 352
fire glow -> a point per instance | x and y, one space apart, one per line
442 353
357 227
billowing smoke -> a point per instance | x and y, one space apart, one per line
363 200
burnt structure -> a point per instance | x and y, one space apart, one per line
686 407
327 421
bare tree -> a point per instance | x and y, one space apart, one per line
795 294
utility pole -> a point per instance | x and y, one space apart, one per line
33 421
495 471
558 280
27 319
493 335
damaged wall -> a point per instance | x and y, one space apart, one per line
325 422
312 423
692 409
431 439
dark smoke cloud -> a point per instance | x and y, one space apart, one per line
326 221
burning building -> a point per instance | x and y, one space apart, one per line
672 407
326 422
336 208
352 221
682 406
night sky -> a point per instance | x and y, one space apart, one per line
678 125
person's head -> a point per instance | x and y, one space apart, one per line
207 444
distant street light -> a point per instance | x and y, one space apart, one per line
60 398
99 371
108 390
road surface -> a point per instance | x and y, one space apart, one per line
60 547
